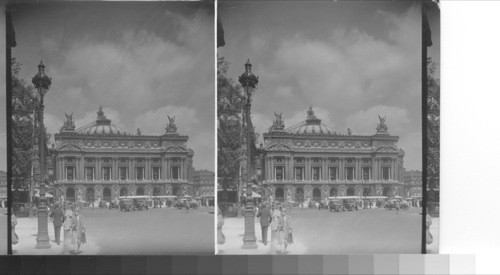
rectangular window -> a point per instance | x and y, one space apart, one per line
89 173
123 173
385 173
349 173
279 172
316 173
175 171
106 173
299 173
156 173
139 173
332 173
70 172
367 175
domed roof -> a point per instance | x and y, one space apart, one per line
312 125
102 126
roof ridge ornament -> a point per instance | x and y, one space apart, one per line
311 118
101 118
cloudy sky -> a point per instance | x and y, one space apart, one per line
350 60
140 61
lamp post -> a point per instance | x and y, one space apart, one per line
249 81
42 83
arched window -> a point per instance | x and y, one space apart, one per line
386 191
299 195
176 191
334 192
89 196
140 191
123 191
316 194
70 194
279 194
106 193
350 191
156 191
366 191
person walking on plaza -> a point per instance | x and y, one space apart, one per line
284 230
68 214
57 216
78 231
265 219
276 214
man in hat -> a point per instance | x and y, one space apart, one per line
265 219
57 216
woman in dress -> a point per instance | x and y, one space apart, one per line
68 214
284 230
78 231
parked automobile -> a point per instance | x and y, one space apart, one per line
350 204
336 205
140 204
392 204
126 205
113 205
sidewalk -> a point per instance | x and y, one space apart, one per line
433 248
233 229
26 229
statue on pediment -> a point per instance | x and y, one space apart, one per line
171 127
278 123
382 126
69 124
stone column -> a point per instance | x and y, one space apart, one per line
341 169
307 173
324 169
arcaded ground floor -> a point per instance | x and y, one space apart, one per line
321 232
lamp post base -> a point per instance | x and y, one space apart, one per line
42 239
249 245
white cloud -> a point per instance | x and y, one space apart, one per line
154 122
365 121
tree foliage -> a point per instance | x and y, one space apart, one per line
24 139
433 122
230 105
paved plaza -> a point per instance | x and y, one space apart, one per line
112 232
367 231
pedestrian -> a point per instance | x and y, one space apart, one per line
78 231
68 215
284 230
221 239
265 219
13 223
276 214
57 216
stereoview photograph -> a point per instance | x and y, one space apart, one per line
319 127
113 139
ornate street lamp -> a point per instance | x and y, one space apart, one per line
42 83
249 82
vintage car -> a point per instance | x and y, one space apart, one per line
126 204
350 204
392 204
113 205
140 204
336 205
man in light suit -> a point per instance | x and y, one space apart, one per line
265 219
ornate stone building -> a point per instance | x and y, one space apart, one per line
203 183
3 189
309 161
101 161
412 183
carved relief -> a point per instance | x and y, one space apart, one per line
279 148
